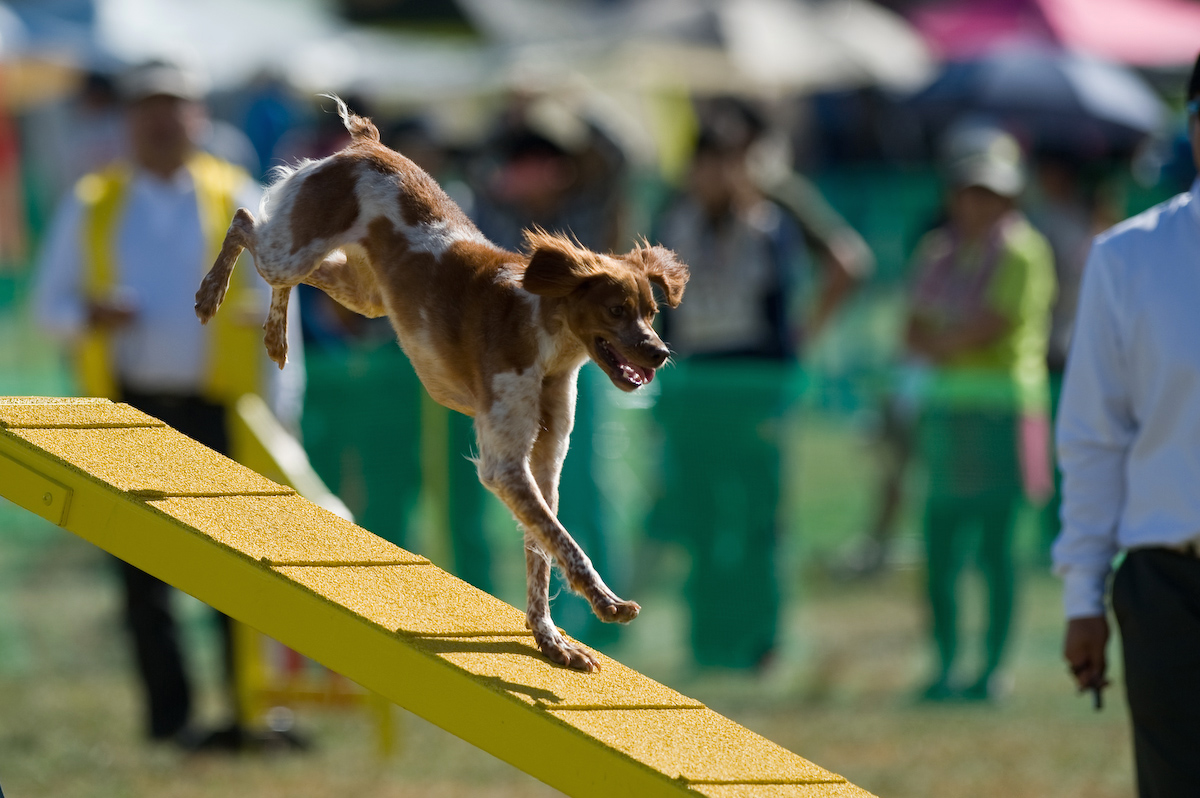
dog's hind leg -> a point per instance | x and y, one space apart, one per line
347 278
212 289
276 325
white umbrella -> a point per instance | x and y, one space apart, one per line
722 45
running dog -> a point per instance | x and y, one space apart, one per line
497 335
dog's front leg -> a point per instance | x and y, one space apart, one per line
506 434
549 639
557 417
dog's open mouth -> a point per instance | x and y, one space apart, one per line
620 370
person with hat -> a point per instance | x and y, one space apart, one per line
978 325
1128 434
117 282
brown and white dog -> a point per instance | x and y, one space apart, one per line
497 335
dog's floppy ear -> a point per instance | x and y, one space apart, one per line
556 267
664 270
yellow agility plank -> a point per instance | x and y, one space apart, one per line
383 617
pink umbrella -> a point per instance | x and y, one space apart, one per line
1149 33
960 30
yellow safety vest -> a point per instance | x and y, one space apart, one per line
234 347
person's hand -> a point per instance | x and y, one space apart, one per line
1084 650
110 314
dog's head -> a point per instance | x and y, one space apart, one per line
609 301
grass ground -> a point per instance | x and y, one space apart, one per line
841 692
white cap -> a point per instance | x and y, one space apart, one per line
160 78
984 156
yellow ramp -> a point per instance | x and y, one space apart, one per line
386 618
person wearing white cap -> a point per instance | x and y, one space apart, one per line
116 282
1129 447
978 324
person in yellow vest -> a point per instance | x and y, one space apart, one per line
117 280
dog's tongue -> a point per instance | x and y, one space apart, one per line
636 374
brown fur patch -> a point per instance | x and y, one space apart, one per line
421 199
327 205
485 323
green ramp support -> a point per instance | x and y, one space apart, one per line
385 618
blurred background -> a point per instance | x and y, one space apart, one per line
764 507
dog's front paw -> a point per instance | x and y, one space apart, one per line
623 611
558 649
611 609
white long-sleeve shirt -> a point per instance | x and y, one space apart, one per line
163 255
1129 419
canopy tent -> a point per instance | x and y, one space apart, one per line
718 45
721 46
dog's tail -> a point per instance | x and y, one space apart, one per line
359 126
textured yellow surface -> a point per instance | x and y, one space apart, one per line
835 790
149 460
53 400
516 665
91 414
283 530
695 744
416 599
383 616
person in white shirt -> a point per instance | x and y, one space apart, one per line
1129 449
116 283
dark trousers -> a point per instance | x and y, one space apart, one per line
149 613
1156 598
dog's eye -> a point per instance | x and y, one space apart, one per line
617 311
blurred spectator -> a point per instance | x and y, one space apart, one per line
1061 210
13 227
722 410
271 111
1127 437
547 166
67 140
117 280
899 411
980 319
93 133
318 133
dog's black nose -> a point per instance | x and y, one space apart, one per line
655 353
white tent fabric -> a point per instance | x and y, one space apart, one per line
727 45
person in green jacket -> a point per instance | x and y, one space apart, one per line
979 322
